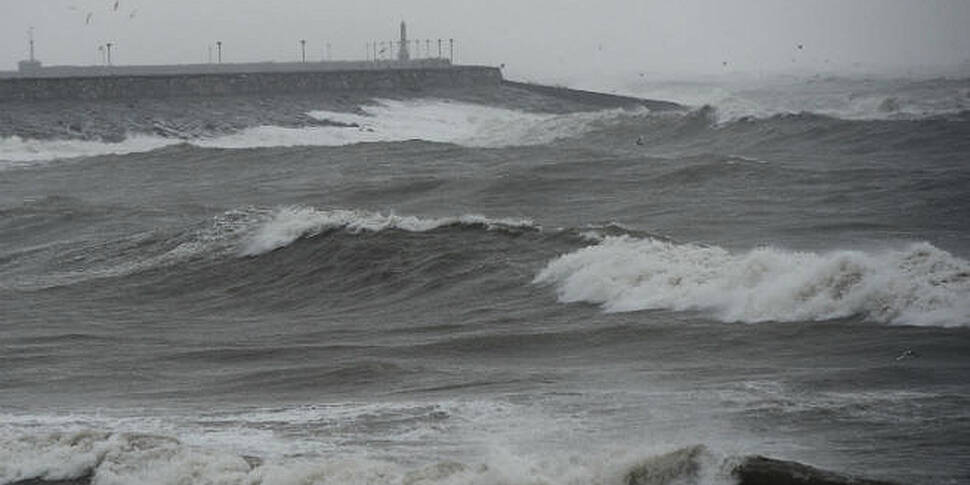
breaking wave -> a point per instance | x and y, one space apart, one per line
465 123
432 120
285 225
18 152
82 457
244 232
918 285
844 98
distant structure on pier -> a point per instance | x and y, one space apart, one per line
408 56
32 65
402 53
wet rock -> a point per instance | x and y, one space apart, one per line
889 105
83 480
253 461
679 466
433 474
760 470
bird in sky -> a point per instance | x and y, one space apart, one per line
116 5
87 20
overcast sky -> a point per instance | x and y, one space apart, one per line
543 40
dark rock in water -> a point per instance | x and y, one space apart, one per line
759 470
252 461
685 466
433 474
83 480
679 466
889 105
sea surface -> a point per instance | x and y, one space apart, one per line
441 289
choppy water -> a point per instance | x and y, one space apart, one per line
442 291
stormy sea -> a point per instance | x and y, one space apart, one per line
489 285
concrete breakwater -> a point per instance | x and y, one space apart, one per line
593 97
221 84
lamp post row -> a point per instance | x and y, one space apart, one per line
370 49
372 53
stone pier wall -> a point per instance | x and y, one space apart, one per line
219 84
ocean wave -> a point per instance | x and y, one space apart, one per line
702 130
287 224
108 458
918 285
216 240
843 98
468 124
20 152
432 120
74 261
83 457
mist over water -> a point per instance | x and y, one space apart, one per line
487 287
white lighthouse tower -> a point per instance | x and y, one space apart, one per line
402 53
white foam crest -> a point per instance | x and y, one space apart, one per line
287 224
454 122
451 442
125 458
759 97
918 285
432 120
56 456
429 120
18 152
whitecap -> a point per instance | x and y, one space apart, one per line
287 224
918 285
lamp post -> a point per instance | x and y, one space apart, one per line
108 45
303 49
30 34
219 50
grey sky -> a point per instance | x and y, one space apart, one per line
536 39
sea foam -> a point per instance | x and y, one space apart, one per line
122 458
19 152
918 285
462 123
432 120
